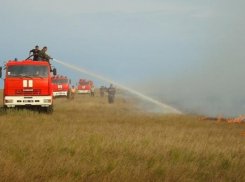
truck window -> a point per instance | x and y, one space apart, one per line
83 83
59 81
27 70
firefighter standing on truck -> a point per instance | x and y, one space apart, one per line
111 94
35 53
43 56
73 92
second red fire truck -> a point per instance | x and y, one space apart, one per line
61 85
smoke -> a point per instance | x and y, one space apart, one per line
217 85
201 95
215 90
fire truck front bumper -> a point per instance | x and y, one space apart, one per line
63 93
83 91
13 101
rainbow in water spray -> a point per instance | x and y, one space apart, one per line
166 108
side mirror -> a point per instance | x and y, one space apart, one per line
1 72
54 71
70 81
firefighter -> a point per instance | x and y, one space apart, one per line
68 94
73 92
111 94
44 57
34 53
92 90
102 91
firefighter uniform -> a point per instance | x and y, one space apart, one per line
102 91
43 56
35 53
111 94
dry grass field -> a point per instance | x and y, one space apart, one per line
89 140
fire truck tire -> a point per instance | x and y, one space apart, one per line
50 109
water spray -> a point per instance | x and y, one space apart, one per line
166 108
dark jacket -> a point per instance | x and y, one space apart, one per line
111 91
35 54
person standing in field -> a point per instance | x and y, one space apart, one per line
111 94
92 90
73 92
102 91
68 94
34 53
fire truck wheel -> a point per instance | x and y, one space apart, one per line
50 109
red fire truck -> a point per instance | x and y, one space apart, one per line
61 85
28 84
84 86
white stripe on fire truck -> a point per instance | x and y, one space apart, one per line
24 83
30 83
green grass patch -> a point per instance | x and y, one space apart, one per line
89 140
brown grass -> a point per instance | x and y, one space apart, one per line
89 140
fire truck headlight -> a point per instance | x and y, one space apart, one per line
47 100
9 101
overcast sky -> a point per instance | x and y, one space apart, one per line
135 42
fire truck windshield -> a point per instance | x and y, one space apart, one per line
59 81
84 83
27 70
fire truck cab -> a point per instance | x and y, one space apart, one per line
84 86
27 83
61 85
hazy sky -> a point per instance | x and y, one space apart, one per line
187 45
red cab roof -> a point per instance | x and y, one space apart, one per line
27 62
